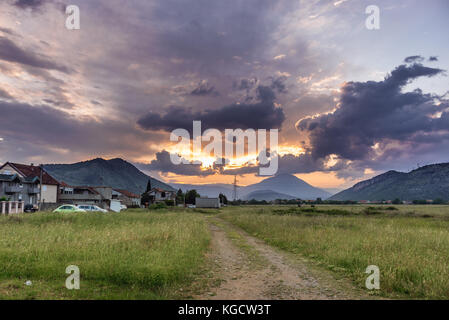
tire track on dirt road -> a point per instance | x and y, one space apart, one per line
247 269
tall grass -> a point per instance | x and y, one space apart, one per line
412 252
135 254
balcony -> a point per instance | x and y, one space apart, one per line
13 189
80 197
34 190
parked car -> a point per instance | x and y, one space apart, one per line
67 208
123 207
30 208
92 208
191 206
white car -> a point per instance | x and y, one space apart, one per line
91 208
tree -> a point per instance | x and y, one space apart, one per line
148 185
145 197
191 195
223 198
397 201
179 196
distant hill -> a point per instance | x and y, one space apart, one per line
116 173
285 186
428 182
289 185
267 195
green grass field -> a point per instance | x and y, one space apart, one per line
130 255
410 245
141 254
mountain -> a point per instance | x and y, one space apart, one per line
116 173
289 185
428 182
285 186
267 195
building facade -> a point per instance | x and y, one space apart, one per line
79 195
16 188
127 198
31 172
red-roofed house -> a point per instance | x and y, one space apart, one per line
50 185
126 197
157 195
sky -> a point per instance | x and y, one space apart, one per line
349 102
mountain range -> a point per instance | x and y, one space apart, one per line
121 174
281 186
426 183
116 173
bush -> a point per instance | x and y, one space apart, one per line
170 203
157 206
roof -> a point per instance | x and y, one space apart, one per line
161 190
127 193
9 177
29 171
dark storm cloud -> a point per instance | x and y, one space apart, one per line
411 59
375 112
11 52
433 58
47 127
164 164
36 5
260 115
204 88
33 4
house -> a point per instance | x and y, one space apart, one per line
100 196
19 189
31 172
158 195
126 197
207 202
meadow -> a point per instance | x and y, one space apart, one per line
131 255
409 244
152 254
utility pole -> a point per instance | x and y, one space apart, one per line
41 167
235 188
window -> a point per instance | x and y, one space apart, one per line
163 194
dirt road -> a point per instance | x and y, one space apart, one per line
246 268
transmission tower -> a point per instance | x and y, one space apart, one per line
235 188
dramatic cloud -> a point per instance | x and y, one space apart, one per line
371 114
414 59
33 4
261 115
204 89
164 164
9 51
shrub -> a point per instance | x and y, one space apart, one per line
157 206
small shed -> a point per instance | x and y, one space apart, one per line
207 202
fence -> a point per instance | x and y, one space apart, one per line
11 207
